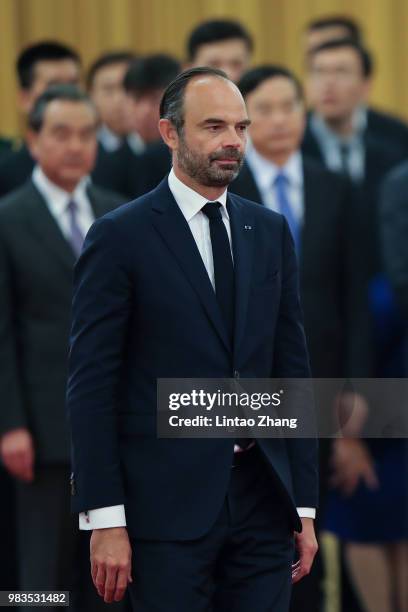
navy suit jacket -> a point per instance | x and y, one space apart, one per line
144 308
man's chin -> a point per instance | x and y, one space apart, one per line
224 178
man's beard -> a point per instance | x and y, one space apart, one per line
203 169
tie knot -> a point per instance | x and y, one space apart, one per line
281 180
212 210
72 206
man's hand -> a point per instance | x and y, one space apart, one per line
352 463
17 453
306 546
111 566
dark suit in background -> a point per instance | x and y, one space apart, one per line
389 129
36 264
324 267
379 159
6 146
394 231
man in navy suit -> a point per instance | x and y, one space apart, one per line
189 282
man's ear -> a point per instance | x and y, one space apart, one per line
367 89
169 134
25 101
31 138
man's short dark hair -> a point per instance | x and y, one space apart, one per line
70 93
151 73
217 30
41 52
108 59
252 79
337 21
366 59
172 102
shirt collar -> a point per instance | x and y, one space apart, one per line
323 131
136 143
189 201
265 171
111 142
56 197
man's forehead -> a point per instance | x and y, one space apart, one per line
55 66
341 54
275 84
111 70
211 86
221 46
208 95
67 110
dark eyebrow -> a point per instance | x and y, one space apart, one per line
212 120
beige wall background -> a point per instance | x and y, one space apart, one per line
93 26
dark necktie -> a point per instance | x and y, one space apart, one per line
281 186
223 266
223 274
344 158
76 237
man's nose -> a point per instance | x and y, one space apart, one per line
232 139
75 144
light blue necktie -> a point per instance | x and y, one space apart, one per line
281 185
76 237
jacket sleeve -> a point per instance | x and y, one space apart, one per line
100 314
291 362
12 411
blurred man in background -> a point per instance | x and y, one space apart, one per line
339 74
115 140
145 82
339 81
222 44
42 226
315 202
105 86
379 124
38 66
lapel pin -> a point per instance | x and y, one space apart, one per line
247 227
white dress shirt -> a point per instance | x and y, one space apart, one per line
190 203
57 201
265 173
111 142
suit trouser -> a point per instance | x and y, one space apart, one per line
53 553
243 564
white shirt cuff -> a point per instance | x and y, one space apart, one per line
306 512
103 518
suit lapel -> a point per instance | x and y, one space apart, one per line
173 228
46 229
242 234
